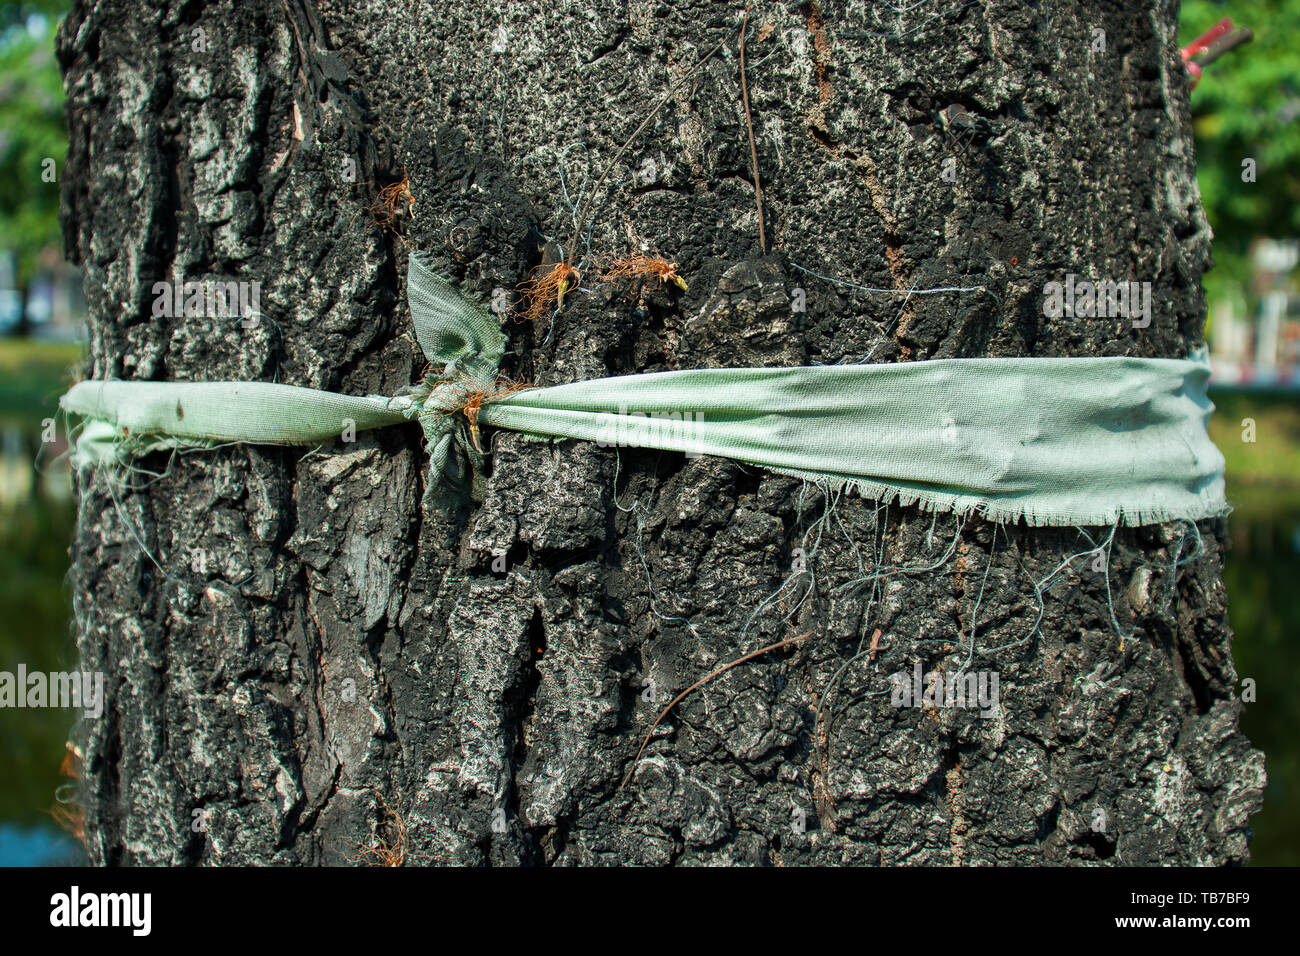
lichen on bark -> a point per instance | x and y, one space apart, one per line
314 650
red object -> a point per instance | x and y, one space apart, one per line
1205 41
1202 43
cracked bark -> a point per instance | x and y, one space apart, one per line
313 647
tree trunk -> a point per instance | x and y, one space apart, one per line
307 666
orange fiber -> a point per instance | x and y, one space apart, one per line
390 851
474 394
392 203
67 814
651 267
545 293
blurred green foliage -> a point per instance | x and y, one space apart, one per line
1247 106
33 374
1259 435
31 130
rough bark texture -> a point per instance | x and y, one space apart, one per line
496 711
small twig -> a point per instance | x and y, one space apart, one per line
1222 46
753 150
704 680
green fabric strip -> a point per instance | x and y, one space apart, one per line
453 331
257 412
1048 440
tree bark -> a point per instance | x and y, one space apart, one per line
306 666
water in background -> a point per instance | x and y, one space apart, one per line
36 523
1259 434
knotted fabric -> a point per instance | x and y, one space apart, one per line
1053 441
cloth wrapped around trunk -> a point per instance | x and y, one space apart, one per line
1053 441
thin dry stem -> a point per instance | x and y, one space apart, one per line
699 683
753 150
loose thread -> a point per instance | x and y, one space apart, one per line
639 513
131 528
1047 580
586 179
830 504
1110 599
907 292
881 338
876 578
975 613
582 214
1179 560
832 686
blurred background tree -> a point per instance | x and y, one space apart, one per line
1246 107
32 134
36 513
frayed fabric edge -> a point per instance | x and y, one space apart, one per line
106 446
1209 504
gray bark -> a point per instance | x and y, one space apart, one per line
495 713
